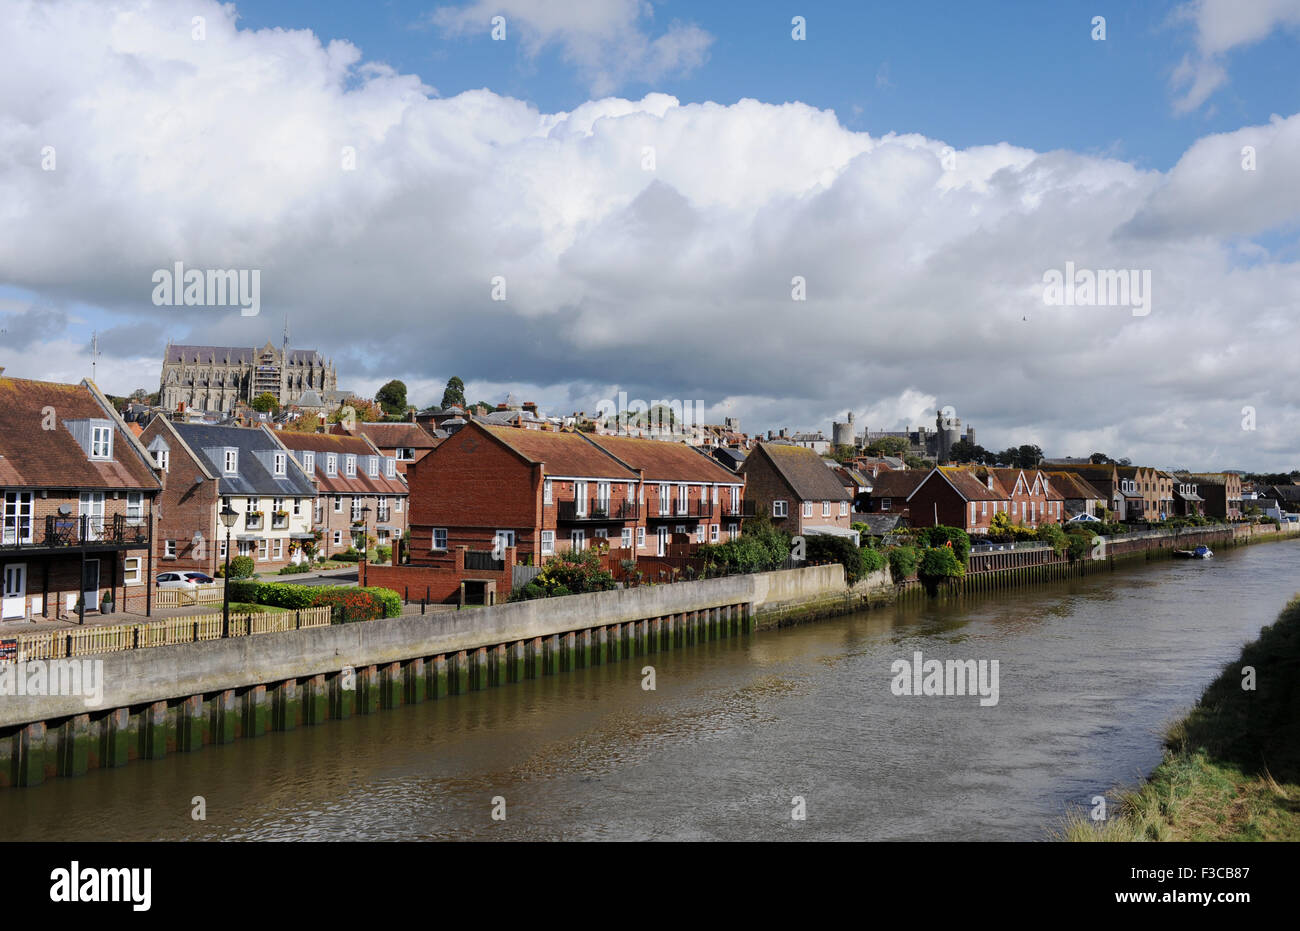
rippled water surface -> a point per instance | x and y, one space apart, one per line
1091 671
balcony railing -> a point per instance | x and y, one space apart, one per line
597 510
740 509
689 509
115 530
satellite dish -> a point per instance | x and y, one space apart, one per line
65 509
198 480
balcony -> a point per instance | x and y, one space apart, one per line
690 510
596 510
69 533
740 509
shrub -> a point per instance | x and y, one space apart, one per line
940 562
383 553
358 604
390 599
872 560
1055 536
1078 546
574 573
293 570
243 591
826 548
242 567
280 595
941 536
903 561
348 555
759 548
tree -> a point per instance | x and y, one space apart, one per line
455 393
266 403
888 446
139 394
966 451
307 423
392 397
1028 457
1099 459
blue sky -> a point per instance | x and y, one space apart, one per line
967 73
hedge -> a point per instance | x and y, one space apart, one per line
359 604
903 561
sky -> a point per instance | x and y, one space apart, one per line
683 201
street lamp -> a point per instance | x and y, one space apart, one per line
228 517
365 520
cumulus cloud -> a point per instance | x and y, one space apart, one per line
1221 26
608 41
380 216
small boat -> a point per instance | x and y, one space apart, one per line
1201 552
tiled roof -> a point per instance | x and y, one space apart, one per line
802 469
562 453
360 484
238 355
896 484
207 441
663 461
969 485
395 435
1073 485
32 457
878 524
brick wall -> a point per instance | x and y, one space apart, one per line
439 584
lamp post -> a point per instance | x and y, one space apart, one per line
228 517
365 519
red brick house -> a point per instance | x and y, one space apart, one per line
793 486
890 491
683 491
403 442
359 491
1032 500
539 491
956 497
80 500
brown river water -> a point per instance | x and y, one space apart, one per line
1090 672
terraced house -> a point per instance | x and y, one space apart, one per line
79 503
207 468
792 485
360 495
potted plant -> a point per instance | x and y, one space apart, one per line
106 605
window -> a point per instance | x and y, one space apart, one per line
338 504
350 465
778 508
984 508
807 509
548 542
406 453
578 540
331 463
338 537
135 506
261 550
548 496
580 498
222 549
18 517
280 465
439 538
372 466
309 463
683 496
250 505
602 497
713 533
397 504
826 509
160 458
699 532
169 549
602 533
625 538
733 531
232 461
844 509
356 508
885 504
972 512
381 507
640 536
390 468
131 571
664 499
101 441
277 551
297 507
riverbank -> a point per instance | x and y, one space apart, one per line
1231 770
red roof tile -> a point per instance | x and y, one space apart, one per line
663 461
561 453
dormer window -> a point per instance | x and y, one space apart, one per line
160 457
309 463
372 466
350 465
232 461
331 464
280 465
101 440
390 468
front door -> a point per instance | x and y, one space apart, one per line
90 584
92 508
14 603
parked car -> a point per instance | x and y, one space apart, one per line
176 580
199 578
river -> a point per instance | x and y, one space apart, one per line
1090 672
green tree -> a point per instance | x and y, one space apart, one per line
888 446
455 393
966 451
939 563
392 397
266 403
1099 459
1028 457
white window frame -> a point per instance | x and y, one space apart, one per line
309 463
350 465
169 549
338 504
134 507
844 509
665 500
331 464
826 509
625 538
733 531
577 540
230 462
338 538
436 534
372 467
390 468
161 458
281 465
548 492
640 537
780 508
807 509
713 533
277 548
132 573
263 550
101 440
548 542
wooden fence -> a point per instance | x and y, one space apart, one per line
84 641
180 598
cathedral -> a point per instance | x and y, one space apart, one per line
213 378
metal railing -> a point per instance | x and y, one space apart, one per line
596 509
115 530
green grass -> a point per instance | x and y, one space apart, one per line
1231 770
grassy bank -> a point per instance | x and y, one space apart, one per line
1232 767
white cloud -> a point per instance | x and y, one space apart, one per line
923 284
608 41
1221 26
